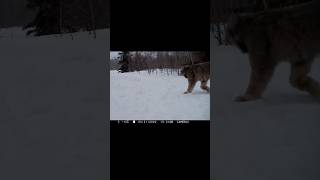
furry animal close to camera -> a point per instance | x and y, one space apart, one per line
197 72
289 34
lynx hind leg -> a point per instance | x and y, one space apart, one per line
299 79
191 84
261 73
204 86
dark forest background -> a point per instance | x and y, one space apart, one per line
43 17
221 10
14 13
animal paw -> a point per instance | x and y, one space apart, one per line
315 92
245 98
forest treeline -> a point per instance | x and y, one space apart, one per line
59 16
166 61
14 13
44 17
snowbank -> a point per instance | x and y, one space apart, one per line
156 96
52 106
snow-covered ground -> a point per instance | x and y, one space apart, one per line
155 96
276 137
53 106
12 33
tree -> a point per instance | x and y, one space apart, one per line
46 20
124 62
58 16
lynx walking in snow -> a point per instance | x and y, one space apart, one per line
197 72
290 34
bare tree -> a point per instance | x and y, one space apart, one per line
93 23
60 16
265 4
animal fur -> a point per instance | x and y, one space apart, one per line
290 34
197 72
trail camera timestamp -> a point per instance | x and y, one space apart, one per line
153 122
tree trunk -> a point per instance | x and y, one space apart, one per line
60 18
265 4
218 34
93 23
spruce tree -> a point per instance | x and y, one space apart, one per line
124 62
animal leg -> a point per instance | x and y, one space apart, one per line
191 84
299 79
204 86
262 69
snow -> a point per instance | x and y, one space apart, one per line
114 54
276 137
12 33
52 106
156 96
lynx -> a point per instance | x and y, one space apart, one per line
289 34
